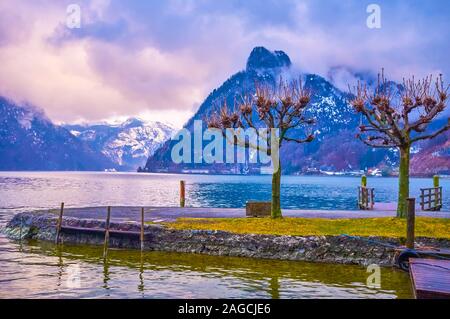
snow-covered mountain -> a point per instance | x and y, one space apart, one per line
127 144
30 141
334 148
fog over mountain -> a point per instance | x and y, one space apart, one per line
30 141
335 147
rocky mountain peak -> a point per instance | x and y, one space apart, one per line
261 58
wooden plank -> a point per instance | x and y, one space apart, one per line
142 229
105 246
359 197
59 223
364 198
430 278
372 198
444 252
410 222
21 226
429 199
182 193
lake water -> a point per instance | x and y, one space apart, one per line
47 190
38 269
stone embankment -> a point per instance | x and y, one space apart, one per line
328 249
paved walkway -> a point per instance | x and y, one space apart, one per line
160 214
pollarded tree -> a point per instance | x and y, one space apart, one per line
399 118
281 109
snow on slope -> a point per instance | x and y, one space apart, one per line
128 144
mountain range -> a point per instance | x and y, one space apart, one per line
127 144
30 141
334 148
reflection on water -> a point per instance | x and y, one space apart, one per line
37 269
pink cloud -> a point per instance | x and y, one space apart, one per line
163 58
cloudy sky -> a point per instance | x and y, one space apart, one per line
159 59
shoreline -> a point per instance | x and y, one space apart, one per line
321 249
344 175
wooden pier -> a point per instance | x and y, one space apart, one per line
366 198
431 198
430 278
106 232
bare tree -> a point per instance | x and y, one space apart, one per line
399 118
281 107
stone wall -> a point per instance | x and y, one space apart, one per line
329 249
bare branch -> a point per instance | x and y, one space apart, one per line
392 121
307 139
433 135
281 107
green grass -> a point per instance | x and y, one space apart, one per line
383 227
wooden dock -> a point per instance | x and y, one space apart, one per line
430 278
106 232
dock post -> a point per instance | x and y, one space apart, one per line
142 228
372 199
21 226
410 222
364 181
59 223
436 190
436 180
105 246
182 193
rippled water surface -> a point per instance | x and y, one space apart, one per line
37 269
42 190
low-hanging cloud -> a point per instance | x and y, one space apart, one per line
162 58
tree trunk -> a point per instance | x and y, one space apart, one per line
403 182
276 186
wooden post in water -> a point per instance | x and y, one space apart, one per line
436 190
59 223
182 193
364 181
142 228
372 198
106 244
21 226
410 222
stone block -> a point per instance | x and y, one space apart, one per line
258 209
